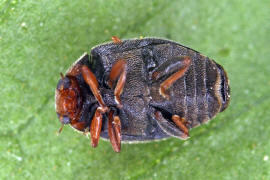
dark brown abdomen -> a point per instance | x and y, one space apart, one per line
199 91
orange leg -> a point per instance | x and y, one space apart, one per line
185 63
96 124
180 122
179 130
114 130
95 128
78 125
116 40
118 69
91 80
76 69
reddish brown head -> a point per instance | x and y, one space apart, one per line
68 99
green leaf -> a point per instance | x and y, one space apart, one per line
39 39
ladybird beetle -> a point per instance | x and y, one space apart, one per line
140 90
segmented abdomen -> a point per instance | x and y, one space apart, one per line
198 90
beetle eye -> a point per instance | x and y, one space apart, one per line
65 120
63 83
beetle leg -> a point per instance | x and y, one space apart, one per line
91 80
95 128
118 69
78 125
180 122
76 69
114 130
179 131
116 40
178 66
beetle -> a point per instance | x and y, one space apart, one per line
140 90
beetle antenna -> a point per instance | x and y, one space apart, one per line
60 129
62 76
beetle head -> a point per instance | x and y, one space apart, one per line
68 99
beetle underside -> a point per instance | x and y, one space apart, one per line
176 125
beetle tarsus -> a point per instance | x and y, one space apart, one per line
181 123
114 130
119 69
116 40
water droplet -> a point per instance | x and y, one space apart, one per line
93 20
250 46
23 24
18 158
193 27
265 158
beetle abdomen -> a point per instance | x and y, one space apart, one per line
197 96
202 92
